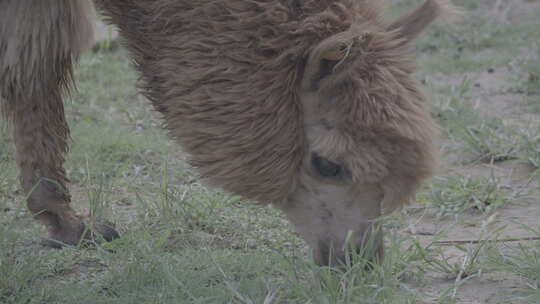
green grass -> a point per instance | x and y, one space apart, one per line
486 139
521 261
473 44
185 243
483 138
532 80
455 195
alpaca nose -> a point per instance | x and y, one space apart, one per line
327 254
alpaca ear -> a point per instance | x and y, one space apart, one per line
413 24
331 56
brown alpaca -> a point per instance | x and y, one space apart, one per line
310 105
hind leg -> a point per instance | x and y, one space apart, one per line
40 136
38 43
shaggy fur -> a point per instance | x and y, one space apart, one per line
307 104
255 90
226 76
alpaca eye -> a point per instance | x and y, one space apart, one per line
324 167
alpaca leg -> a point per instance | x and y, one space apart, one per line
40 135
38 42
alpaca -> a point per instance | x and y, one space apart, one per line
308 105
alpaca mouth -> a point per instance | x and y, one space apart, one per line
366 251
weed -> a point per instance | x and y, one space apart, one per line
522 261
454 195
484 139
532 80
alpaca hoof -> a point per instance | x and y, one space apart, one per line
99 232
104 231
53 243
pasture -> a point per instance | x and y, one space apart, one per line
472 236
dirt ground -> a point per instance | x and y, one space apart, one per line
491 96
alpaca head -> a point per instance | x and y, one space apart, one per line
310 105
368 135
